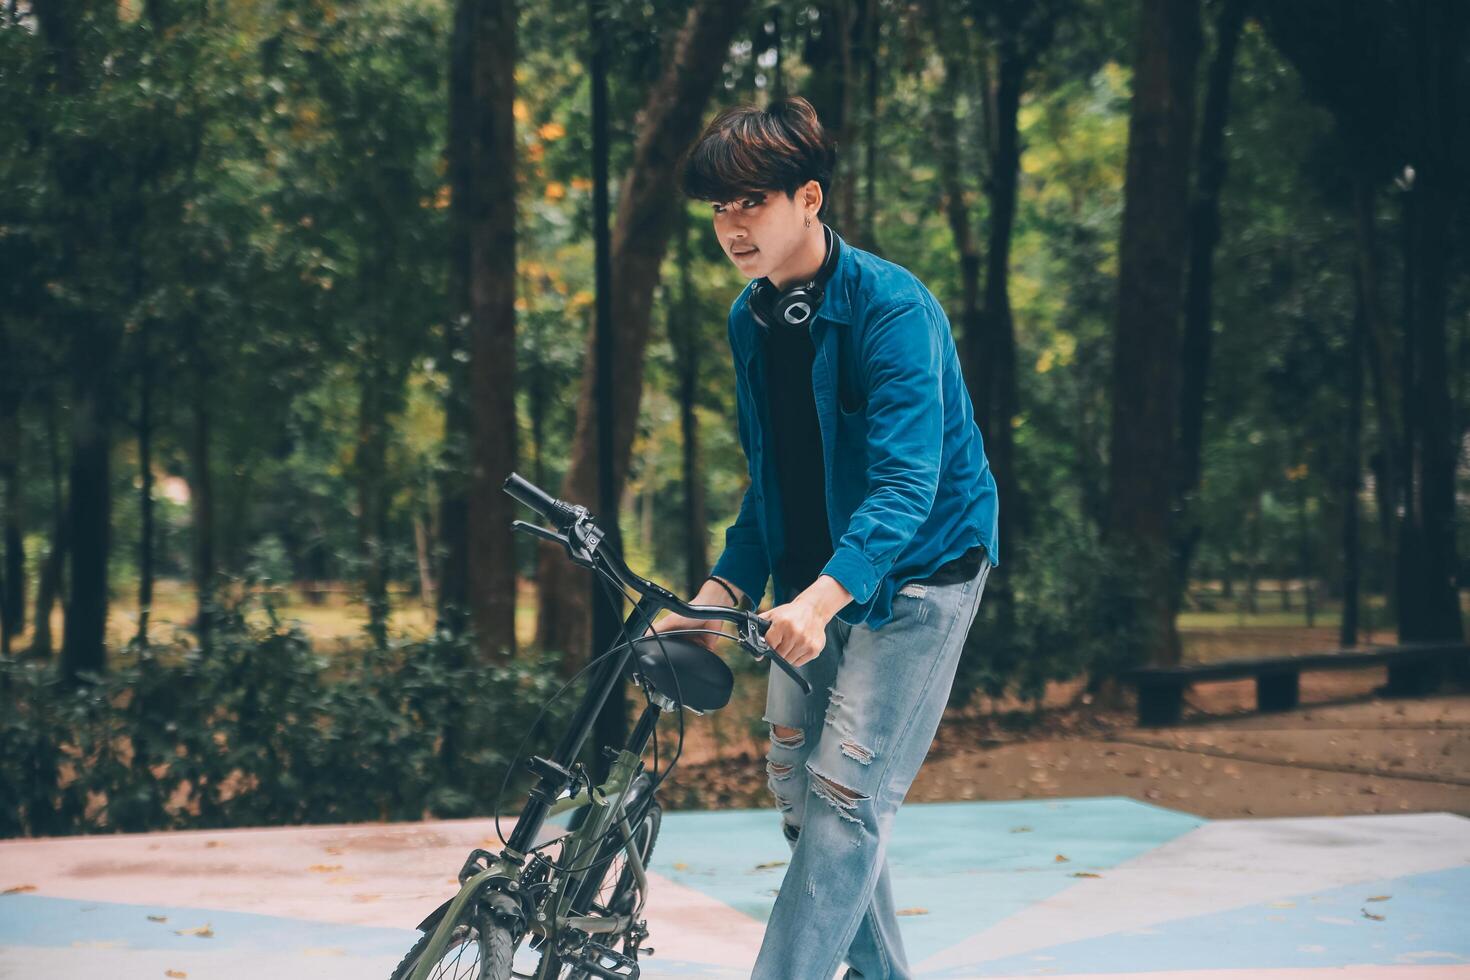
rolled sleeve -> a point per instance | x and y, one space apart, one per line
744 560
905 415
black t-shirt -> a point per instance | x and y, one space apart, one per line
797 445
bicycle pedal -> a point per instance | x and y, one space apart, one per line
623 968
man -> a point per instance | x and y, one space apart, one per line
871 509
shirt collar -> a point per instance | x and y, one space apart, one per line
837 299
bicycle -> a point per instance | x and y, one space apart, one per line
576 909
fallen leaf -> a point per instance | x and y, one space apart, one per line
325 867
1379 898
17 889
914 910
1084 874
334 850
211 843
1020 830
177 974
1375 918
769 864
1062 857
680 866
158 918
203 932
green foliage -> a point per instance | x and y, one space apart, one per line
1068 615
273 210
265 731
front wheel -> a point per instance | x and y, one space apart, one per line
479 949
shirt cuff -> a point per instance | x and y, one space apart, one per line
747 577
855 572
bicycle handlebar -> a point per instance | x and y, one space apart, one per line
543 503
574 522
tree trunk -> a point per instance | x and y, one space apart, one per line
145 491
201 497
684 336
1204 235
997 323
1352 466
869 237
84 645
957 210
1150 296
667 123
454 554
370 464
93 335
13 592
489 236
1383 372
50 584
1430 603
421 538
827 53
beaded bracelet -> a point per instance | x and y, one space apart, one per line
733 600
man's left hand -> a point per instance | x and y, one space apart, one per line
798 630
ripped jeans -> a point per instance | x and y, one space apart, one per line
838 780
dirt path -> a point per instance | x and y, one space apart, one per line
1346 751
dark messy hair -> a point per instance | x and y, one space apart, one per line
748 149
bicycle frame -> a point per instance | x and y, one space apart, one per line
545 800
501 878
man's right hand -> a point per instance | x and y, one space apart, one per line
712 594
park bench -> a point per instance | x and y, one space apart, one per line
1413 669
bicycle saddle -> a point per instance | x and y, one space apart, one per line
704 680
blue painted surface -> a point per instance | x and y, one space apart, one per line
986 869
1424 923
35 920
970 865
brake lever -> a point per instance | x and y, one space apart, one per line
541 532
750 634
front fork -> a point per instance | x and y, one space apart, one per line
500 877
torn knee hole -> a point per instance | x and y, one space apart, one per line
778 770
791 738
840 797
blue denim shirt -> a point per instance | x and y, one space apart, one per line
908 484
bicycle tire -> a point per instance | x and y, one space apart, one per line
494 949
624 893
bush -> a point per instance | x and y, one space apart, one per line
1058 607
263 730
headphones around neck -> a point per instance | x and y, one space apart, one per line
795 305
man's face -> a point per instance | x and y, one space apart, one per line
763 230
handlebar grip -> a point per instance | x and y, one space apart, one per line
539 500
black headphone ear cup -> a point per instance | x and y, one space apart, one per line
760 299
757 301
797 306
769 305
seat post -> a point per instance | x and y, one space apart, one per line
643 730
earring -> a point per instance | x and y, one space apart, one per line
808 221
